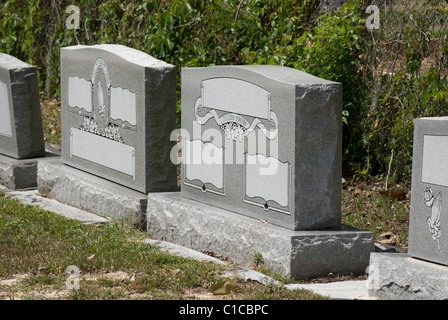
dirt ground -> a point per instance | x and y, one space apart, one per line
383 209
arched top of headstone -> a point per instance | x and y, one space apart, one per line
126 53
278 73
9 62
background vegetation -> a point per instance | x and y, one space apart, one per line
390 75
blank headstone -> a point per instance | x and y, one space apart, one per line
21 134
263 141
428 223
118 112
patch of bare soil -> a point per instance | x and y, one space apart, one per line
13 288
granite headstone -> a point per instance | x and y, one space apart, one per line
21 134
118 112
428 224
263 141
422 272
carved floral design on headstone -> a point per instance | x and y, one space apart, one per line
435 203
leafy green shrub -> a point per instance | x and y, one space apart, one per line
413 86
331 51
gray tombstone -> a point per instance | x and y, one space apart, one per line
118 111
428 223
419 275
21 134
263 141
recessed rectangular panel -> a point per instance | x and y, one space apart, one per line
203 162
103 151
123 105
5 113
80 93
234 95
267 178
435 160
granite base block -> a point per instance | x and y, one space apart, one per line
17 174
91 193
298 254
397 276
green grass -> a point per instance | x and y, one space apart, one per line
41 245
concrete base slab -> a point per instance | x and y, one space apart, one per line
20 174
298 254
397 276
91 193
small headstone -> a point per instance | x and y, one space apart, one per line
428 223
21 134
420 274
263 141
118 112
